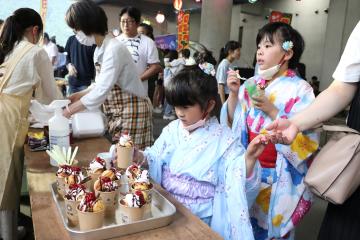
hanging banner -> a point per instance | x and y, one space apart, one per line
183 29
43 10
166 41
277 16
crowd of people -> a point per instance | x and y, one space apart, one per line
235 154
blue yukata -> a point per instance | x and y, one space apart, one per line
283 199
205 170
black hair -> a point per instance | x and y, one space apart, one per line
204 56
1 21
192 86
46 36
87 16
229 46
283 32
14 28
132 12
149 30
172 54
185 53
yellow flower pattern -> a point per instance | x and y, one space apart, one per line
276 221
303 146
272 97
263 199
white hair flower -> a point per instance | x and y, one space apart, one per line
287 45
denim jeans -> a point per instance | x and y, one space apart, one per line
168 109
74 89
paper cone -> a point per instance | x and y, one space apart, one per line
109 199
71 213
90 220
132 213
124 156
60 185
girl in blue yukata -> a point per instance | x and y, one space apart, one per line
275 92
200 162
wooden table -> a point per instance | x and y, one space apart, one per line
47 221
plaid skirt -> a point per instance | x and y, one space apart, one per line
127 112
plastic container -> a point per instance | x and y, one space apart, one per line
88 124
59 128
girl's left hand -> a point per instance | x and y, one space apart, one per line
263 103
256 147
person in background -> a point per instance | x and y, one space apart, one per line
200 163
117 85
315 84
51 49
228 55
276 92
154 83
142 48
340 221
25 70
80 64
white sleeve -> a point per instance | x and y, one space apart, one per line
221 73
108 76
348 69
47 91
152 52
53 50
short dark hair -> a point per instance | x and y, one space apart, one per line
283 32
149 30
87 16
229 46
46 36
185 52
132 12
192 86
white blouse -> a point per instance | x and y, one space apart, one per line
348 69
34 69
117 67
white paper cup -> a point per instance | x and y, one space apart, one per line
124 156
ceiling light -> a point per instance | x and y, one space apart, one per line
160 17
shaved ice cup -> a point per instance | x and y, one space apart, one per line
132 213
124 156
90 220
109 199
147 193
71 213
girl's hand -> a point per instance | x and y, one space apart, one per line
283 131
262 102
233 82
256 147
138 157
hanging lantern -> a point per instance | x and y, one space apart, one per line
160 17
178 4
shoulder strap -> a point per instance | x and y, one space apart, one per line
11 64
339 128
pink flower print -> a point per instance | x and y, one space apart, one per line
246 97
290 73
284 116
260 124
249 121
289 105
301 209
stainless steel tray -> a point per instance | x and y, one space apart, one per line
162 212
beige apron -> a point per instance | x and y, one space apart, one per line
13 129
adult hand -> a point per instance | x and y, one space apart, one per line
233 82
263 103
283 131
72 70
75 97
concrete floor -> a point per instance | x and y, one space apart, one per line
307 230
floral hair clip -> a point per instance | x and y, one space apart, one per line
207 68
287 45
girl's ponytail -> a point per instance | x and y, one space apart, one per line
14 28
